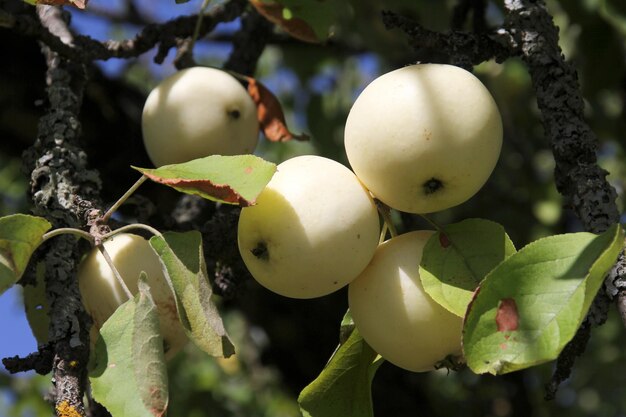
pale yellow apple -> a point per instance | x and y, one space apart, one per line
394 314
198 112
102 294
424 138
314 229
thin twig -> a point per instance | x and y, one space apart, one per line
122 199
67 231
133 226
86 49
385 212
196 29
118 277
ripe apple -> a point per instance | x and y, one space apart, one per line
314 229
424 138
394 314
198 112
102 294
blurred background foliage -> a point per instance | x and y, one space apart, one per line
283 344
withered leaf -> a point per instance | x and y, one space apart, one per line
79 4
294 26
270 113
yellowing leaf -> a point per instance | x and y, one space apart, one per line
235 179
183 259
129 376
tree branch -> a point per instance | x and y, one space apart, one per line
464 49
64 191
86 49
616 286
40 362
249 43
578 177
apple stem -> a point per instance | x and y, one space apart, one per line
432 223
383 233
70 231
196 30
118 277
122 199
385 212
130 227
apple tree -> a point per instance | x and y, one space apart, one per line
330 208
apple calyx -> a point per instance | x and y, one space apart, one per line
432 186
261 251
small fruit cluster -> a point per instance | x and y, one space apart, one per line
420 139
178 125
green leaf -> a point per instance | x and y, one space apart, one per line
235 179
130 375
148 343
310 21
36 305
20 234
346 328
183 259
343 388
530 306
454 262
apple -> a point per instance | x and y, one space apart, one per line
393 313
313 229
424 138
102 294
198 112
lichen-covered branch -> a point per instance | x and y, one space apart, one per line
464 49
577 175
85 49
616 285
40 362
64 191
532 35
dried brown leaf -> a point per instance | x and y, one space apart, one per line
296 27
270 113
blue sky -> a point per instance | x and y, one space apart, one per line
17 338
